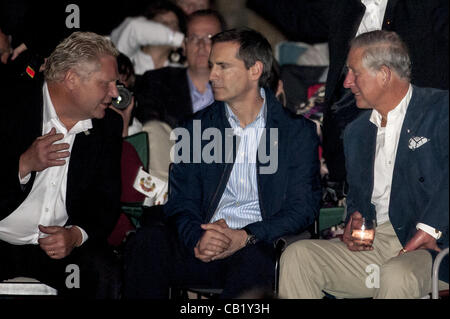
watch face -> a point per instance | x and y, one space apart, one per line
251 240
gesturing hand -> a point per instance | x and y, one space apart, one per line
60 241
43 153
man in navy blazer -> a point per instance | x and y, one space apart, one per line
397 170
230 199
60 174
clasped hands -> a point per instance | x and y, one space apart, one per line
219 241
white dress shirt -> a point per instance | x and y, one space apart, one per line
239 205
373 16
46 203
385 155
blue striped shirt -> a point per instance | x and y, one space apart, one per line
239 205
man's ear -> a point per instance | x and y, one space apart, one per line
71 79
256 70
385 75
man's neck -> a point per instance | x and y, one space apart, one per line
248 108
57 96
392 99
200 78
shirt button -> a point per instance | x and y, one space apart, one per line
46 210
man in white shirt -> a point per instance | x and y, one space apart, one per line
397 170
61 169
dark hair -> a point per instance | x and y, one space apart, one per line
125 66
164 6
207 13
253 47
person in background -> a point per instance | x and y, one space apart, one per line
149 39
169 95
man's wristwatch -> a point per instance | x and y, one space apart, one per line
251 239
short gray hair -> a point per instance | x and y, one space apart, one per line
74 52
384 48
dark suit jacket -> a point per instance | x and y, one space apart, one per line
93 182
419 192
423 25
163 94
289 198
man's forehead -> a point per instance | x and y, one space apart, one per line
208 24
354 55
225 51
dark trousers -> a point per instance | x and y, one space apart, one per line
155 260
90 271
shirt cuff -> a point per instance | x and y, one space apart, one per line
84 235
433 232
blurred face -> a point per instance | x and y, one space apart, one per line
93 94
198 42
365 84
169 19
230 80
189 6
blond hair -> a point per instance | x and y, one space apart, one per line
79 51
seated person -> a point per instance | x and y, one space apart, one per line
223 216
60 189
148 40
397 171
170 94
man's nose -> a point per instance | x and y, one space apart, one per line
213 73
113 91
349 80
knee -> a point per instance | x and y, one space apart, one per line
296 254
400 281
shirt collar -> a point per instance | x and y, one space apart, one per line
396 113
260 118
51 119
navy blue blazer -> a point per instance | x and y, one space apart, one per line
289 198
419 191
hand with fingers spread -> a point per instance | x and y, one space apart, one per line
213 241
60 240
352 244
44 153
